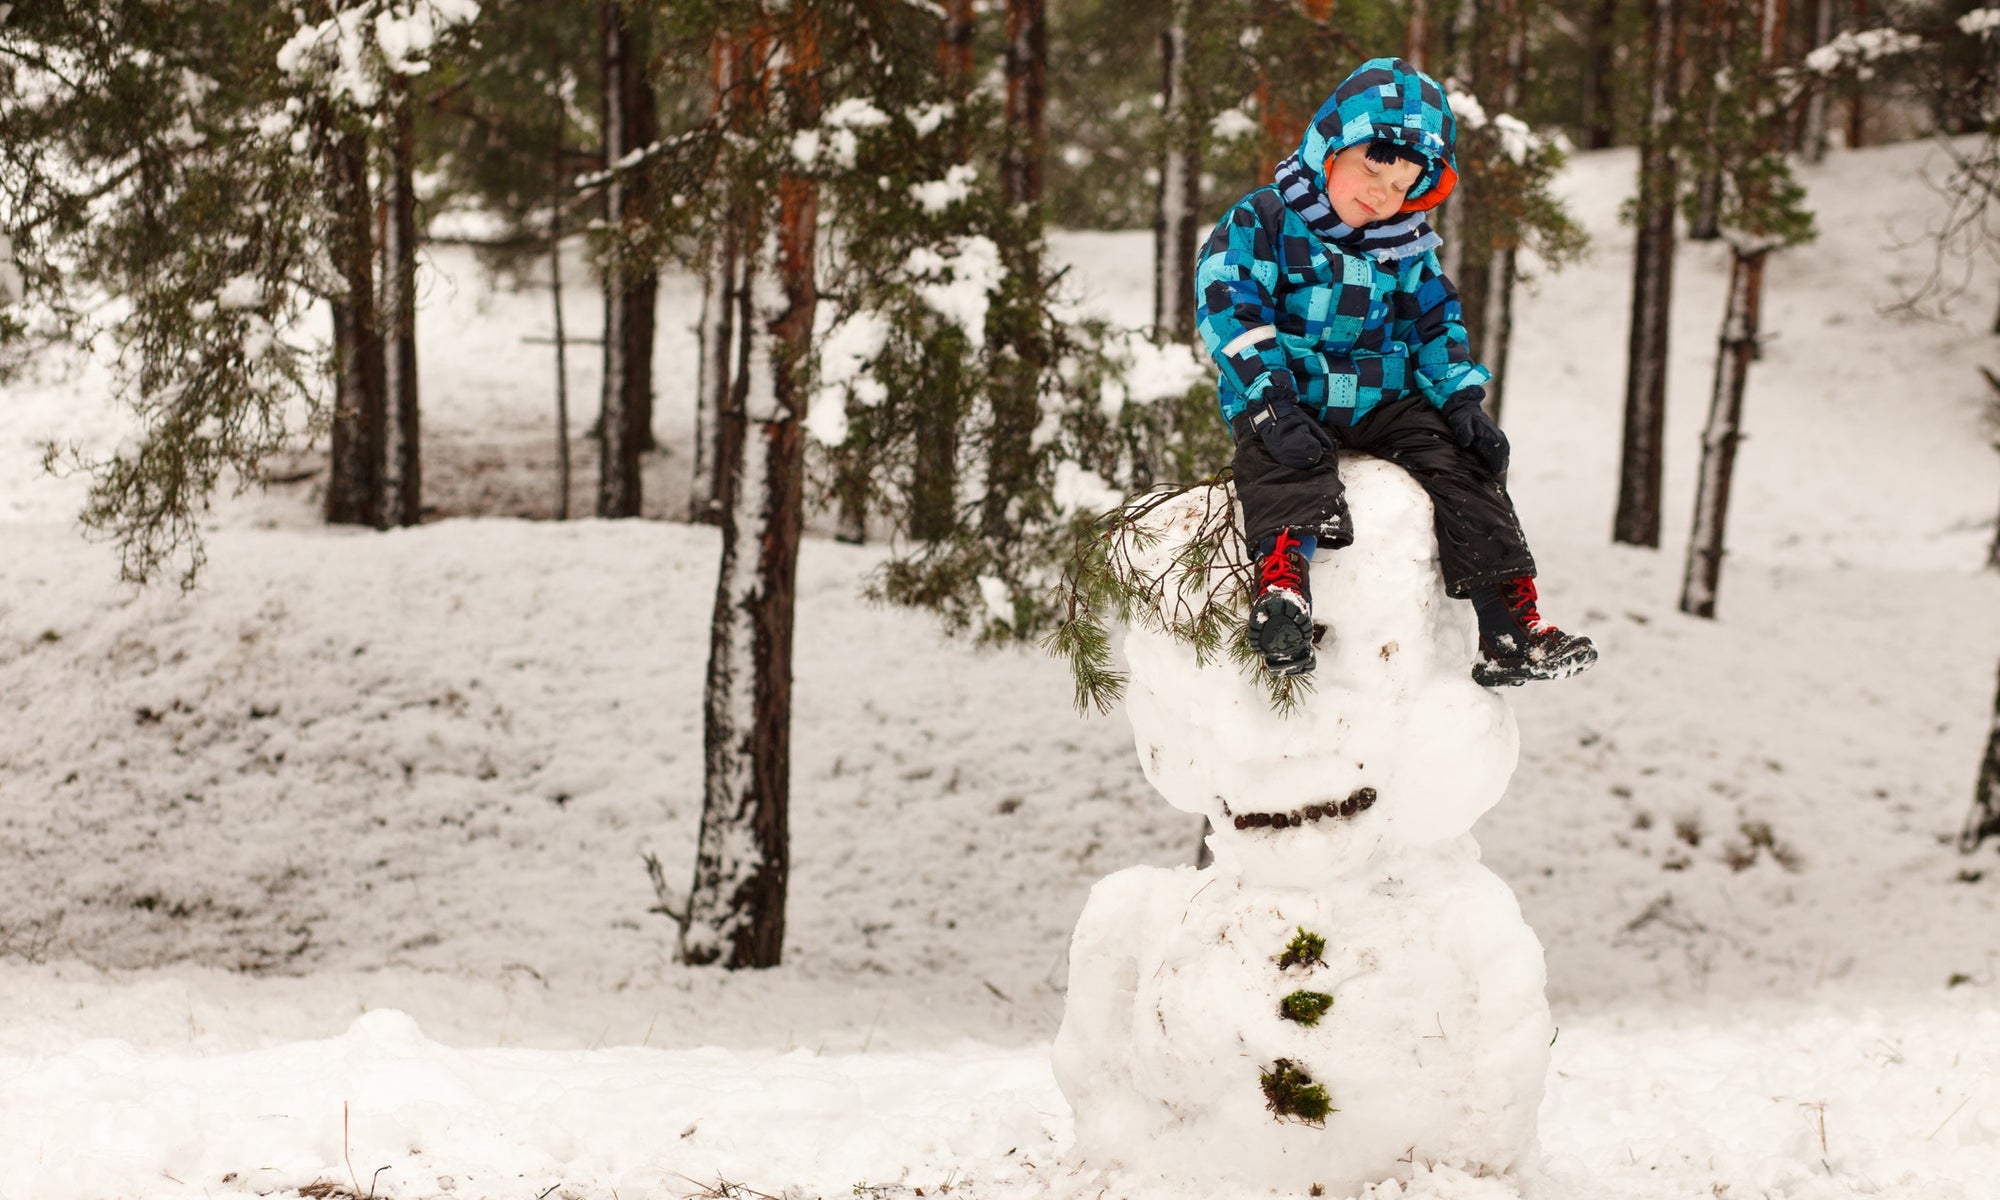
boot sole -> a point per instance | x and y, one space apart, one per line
1576 661
1282 635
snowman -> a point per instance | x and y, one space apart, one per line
1346 995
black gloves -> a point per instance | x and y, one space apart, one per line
1472 429
1292 435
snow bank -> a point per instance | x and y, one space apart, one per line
389 1112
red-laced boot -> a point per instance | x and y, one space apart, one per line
1281 627
1516 645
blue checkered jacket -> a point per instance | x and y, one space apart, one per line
1348 319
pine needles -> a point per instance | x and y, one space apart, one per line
1196 592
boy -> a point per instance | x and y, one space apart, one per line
1321 299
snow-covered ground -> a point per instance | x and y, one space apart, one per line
329 874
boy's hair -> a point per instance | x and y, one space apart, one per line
1384 151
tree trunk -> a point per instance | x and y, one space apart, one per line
955 47
1737 350
1637 521
1857 107
1467 248
1501 274
1016 397
1027 101
1718 39
933 496
1600 50
1812 130
1278 118
402 500
629 288
1503 269
360 409
1984 820
722 295
557 193
736 908
1416 39
1176 213
1993 550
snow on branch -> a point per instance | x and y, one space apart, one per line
351 51
1518 140
643 155
1855 49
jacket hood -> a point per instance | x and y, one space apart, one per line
1390 100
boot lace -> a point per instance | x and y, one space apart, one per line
1520 596
1280 566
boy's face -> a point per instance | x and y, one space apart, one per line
1361 192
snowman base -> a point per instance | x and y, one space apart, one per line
1186 1051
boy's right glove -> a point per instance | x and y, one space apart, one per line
1292 435
1472 429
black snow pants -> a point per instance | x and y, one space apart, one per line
1479 538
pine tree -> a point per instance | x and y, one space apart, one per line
1637 521
353 74
508 138
1762 211
163 158
1717 39
1176 217
356 461
725 289
402 492
735 913
1984 819
1599 111
1016 388
630 281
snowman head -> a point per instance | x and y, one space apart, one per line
1392 744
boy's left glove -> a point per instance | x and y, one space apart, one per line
1472 429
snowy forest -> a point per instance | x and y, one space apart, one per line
584 578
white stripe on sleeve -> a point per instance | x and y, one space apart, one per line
1247 339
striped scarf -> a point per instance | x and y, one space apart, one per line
1403 236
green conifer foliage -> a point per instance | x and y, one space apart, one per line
151 187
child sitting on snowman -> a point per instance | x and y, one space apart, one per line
1320 298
